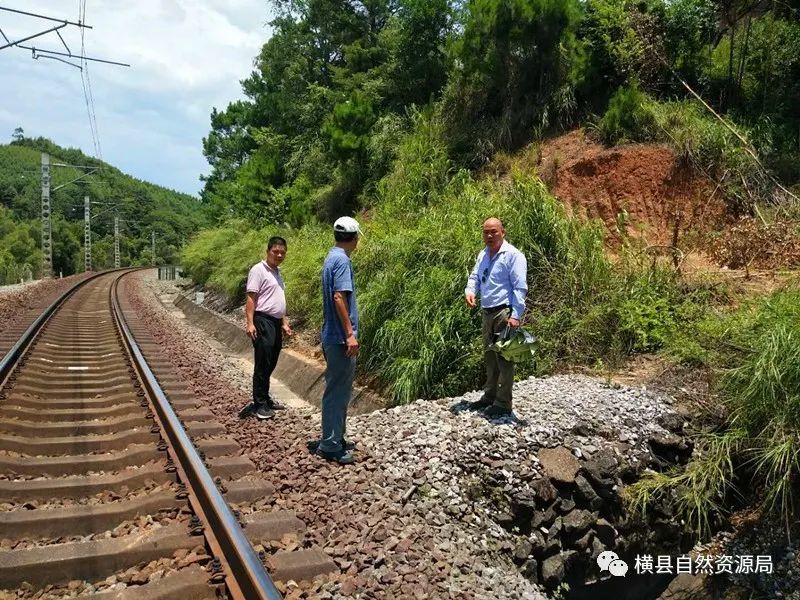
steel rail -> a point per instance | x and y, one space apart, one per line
245 566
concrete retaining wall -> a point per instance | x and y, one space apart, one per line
304 376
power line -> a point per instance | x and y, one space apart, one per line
87 95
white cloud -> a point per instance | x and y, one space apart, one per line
186 56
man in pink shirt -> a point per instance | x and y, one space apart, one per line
266 323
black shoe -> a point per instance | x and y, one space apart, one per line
312 445
495 412
264 412
481 404
274 404
248 410
343 457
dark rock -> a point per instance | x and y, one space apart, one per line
536 539
531 570
522 551
559 464
523 500
555 529
543 518
555 568
608 495
543 548
566 505
671 422
585 542
523 505
601 469
597 549
551 546
504 519
670 447
544 490
583 428
605 532
577 522
586 493
665 532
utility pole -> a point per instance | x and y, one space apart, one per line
116 242
47 230
87 234
153 242
47 241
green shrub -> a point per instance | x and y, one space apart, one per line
628 117
699 139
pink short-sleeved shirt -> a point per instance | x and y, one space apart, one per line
267 284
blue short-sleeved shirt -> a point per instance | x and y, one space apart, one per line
337 276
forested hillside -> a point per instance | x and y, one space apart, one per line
406 110
339 85
141 206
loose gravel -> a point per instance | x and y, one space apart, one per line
142 524
106 497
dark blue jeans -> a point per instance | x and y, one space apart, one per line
338 391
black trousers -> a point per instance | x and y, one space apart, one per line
267 347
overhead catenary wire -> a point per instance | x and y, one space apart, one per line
37 53
86 85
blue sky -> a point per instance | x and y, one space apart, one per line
187 56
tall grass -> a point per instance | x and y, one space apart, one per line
756 351
418 337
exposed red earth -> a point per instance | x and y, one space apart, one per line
647 181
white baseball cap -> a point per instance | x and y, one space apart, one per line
346 225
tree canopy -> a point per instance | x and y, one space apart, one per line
339 82
142 207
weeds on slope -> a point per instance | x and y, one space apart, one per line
756 455
418 338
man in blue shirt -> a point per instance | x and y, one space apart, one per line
339 341
500 278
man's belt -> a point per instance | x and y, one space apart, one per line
497 308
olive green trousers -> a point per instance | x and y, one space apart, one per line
499 371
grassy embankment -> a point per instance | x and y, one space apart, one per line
422 236
420 340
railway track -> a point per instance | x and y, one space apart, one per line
113 483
